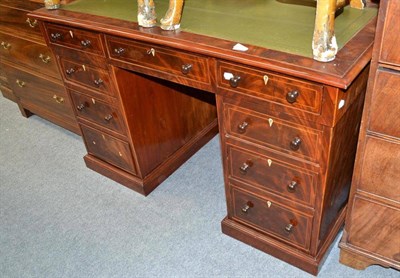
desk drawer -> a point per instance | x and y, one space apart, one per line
272 132
17 22
87 76
159 59
83 40
108 148
289 92
271 217
272 174
44 94
36 56
98 111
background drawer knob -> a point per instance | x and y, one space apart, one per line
70 71
292 186
108 117
234 81
59 100
119 50
98 82
245 167
55 36
289 228
45 59
6 45
31 23
80 107
242 127
292 96
186 68
86 43
20 83
295 144
246 208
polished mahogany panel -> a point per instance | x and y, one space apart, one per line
108 148
26 53
290 92
272 132
98 111
271 217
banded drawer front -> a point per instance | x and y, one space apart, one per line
160 59
36 56
88 76
75 38
17 22
272 132
290 92
98 111
42 93
272 218
108 148
273 175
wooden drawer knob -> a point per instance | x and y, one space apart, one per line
98 82
245 167
70 71
55 36
292 186
292 96
80 106
108 117
119 50
234 81
242 127
295 143
248 206
186 68
86 43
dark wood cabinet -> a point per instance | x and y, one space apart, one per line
372 231
29 71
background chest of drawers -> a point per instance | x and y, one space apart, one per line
137 129
372 231
29 72
288 148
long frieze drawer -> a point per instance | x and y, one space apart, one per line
289 92
108 148
88 76
160 59
17 22
36 56
272 132
43 93
386 90
271 217
98 111
75 38
369 219
273 175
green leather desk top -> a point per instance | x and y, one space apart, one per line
265 23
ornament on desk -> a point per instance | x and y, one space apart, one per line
52 4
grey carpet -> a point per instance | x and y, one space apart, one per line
60 219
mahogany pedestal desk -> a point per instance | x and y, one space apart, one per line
145 101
